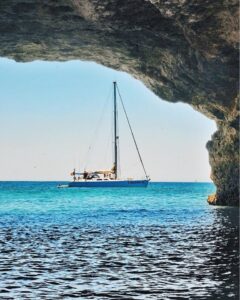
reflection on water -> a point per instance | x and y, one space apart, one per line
135 253
225 257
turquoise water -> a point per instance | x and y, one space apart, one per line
162 242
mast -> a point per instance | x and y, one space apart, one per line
115 130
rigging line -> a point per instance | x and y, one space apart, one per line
139 155
93 140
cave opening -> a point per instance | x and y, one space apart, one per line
51 109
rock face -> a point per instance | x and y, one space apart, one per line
183 50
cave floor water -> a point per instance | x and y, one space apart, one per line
163 242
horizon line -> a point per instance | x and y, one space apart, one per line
154 181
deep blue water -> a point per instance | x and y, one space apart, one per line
162 242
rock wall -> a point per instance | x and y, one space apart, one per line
183 50
224 159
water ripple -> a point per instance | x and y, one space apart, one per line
124 250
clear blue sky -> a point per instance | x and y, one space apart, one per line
49 112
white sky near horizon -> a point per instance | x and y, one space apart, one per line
49 112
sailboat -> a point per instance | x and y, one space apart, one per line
110 178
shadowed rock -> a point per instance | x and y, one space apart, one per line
183 50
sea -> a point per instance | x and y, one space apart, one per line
161 242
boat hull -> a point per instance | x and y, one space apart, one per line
108 183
